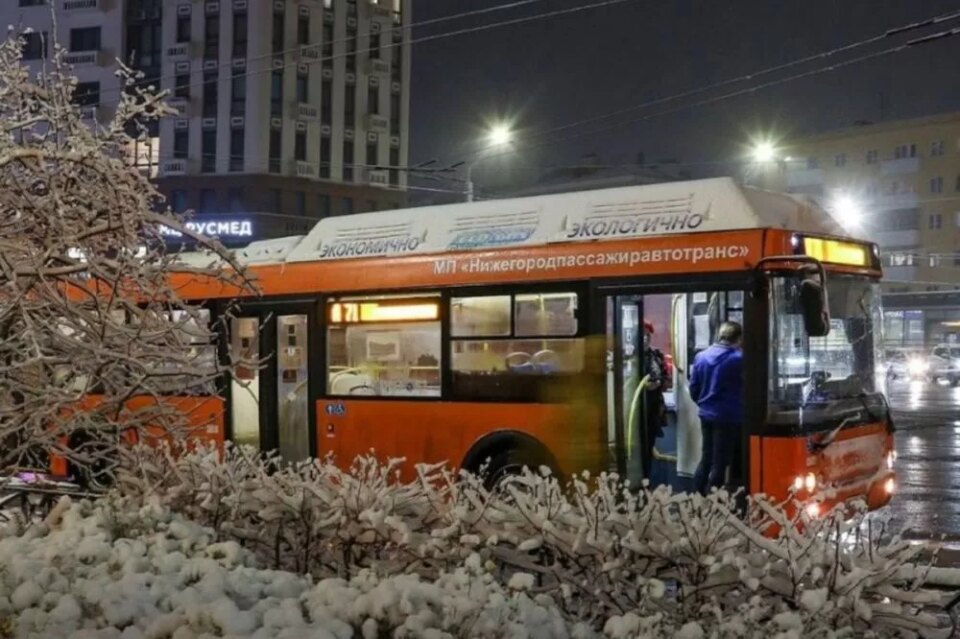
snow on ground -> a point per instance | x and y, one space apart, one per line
106 571
203 546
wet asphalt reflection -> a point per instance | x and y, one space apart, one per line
927 502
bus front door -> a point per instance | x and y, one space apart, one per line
623 376
271 386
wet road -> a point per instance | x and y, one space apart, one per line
927 502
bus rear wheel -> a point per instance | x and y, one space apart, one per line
98 473
509 464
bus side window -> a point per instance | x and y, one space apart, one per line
384 346
509 347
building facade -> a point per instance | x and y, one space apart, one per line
287 110
902 180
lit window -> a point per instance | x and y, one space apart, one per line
486 315
545 314
384 346
514 357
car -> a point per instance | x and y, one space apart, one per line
906 365
945 363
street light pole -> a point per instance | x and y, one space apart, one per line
470 182
499 136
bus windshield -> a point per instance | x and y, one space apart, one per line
818 382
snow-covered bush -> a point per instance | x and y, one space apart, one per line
629 564
87 306
114 570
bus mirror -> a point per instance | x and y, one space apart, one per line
813 305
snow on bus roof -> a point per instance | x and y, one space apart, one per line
717 204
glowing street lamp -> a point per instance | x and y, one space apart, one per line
499 135
763 152
847 210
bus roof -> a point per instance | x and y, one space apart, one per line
672 208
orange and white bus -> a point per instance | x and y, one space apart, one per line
510 332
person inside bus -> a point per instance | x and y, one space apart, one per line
654 406
716 385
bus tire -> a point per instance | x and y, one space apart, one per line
504 454
99 476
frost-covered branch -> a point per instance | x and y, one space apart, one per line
93 333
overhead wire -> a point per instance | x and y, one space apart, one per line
912 26
390 45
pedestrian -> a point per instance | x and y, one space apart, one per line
716 387
654 406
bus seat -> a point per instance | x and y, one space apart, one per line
347 383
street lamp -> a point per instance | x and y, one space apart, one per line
763 152
500 135
847 210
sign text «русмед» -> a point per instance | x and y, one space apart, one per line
224 228
689 254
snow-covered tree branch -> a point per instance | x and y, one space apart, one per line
89 319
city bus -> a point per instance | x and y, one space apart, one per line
509 333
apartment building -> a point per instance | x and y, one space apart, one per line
287 110
904 177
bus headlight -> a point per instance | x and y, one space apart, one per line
808 481
891 458
889 486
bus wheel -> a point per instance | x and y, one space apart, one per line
510 464
97 475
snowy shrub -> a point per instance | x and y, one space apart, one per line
75 575
628 564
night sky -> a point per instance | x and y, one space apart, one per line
557 70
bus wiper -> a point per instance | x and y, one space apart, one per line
829 438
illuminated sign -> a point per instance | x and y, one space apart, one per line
357 312
223 228
835 251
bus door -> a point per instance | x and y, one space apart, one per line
695 319
623 343
269 393
652 423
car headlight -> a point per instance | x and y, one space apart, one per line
917 366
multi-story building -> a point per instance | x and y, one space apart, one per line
287 110
904 177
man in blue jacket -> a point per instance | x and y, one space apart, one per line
716 387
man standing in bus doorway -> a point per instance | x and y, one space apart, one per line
654 406
716 386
